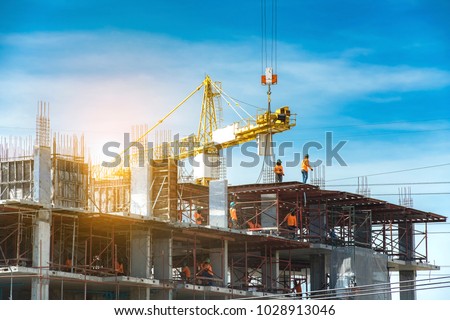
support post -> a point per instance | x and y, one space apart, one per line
140 202
406 250
407 285
162 262
42 228
318 276
218 214
140 261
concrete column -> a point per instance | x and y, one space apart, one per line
269 215
42 179
406 240
406 249
140 261
218 206
41 255
162 263
140 202
271 272
42 191
219 263
407 289
318 276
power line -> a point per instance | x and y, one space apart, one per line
391 184
413 194
390 172
371 289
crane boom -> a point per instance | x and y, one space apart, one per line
210 139
213 139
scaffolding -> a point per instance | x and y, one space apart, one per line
126 233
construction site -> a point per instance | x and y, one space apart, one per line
71 229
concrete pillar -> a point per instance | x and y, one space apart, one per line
140 202
407 289
318 276
41 255
42 179
218 206
162 263
140 261
406 245
269 215
219 263
42 191
271 271
406 241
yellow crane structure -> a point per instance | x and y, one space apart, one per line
210 139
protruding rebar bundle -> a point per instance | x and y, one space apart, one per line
43 124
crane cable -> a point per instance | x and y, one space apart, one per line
223 94
273 59
265 38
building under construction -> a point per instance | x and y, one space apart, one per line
71 230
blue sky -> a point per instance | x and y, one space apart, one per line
374 73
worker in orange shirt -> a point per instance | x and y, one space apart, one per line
206 271
279 171
185 272
233 215
68 264
198 216
253 225
118 267
291 219
305 167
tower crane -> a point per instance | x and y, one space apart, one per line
210 139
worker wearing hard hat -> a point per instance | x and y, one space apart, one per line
198 216
233 215
291 219
305 167
206 271
279 171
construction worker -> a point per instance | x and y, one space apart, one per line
297 288
185 272
279 172
305 167
198 216
233 215
291 219
253 225
118 267
68 264
206 271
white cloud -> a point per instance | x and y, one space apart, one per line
323 81
102 83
